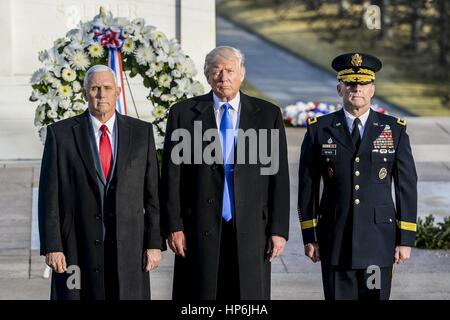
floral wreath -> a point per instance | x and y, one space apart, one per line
296 115
166 71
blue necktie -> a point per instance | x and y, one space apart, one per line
227 141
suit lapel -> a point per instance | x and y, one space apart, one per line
205 112
246 120
372 130
81 133
248 110
95 153
124 137
340 130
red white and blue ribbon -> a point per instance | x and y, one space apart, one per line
113 41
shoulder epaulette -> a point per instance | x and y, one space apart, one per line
401 122
312 120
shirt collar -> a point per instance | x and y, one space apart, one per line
233 103
350 118
97 124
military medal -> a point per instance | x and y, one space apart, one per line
330 172
382 174
385 142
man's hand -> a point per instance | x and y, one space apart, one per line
177 242
56 261
402 253
312 251
153 259
276 247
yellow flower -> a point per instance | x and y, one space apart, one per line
128 46
159 112
96 50
68 75
65 91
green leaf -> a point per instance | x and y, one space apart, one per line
147 82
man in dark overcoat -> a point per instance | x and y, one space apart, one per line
98 199
227 217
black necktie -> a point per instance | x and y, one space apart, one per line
356 137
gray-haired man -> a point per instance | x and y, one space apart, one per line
98 199
225 220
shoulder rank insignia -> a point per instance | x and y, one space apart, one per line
401 122
312 120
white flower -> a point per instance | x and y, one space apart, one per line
187 67
54 82
128 47
51 98
165 80
79 60
159 140
68 75
64 104
39 115
108 20
98 22
173 54
138 22
58 43
43 55
65 91
176 92
168 97
78 40
158 38
159 66
76 86
162 125
52 114
68 114
127 31
96 50
121 22
176 73
159 112
196 89
144 55
183 85
77 106
161 56
35 95
54 62
145 34
157 92
38 76
151 71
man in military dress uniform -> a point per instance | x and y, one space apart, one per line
354 228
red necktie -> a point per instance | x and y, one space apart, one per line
105 151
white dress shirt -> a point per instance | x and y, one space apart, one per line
111 131
234 110
350 118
